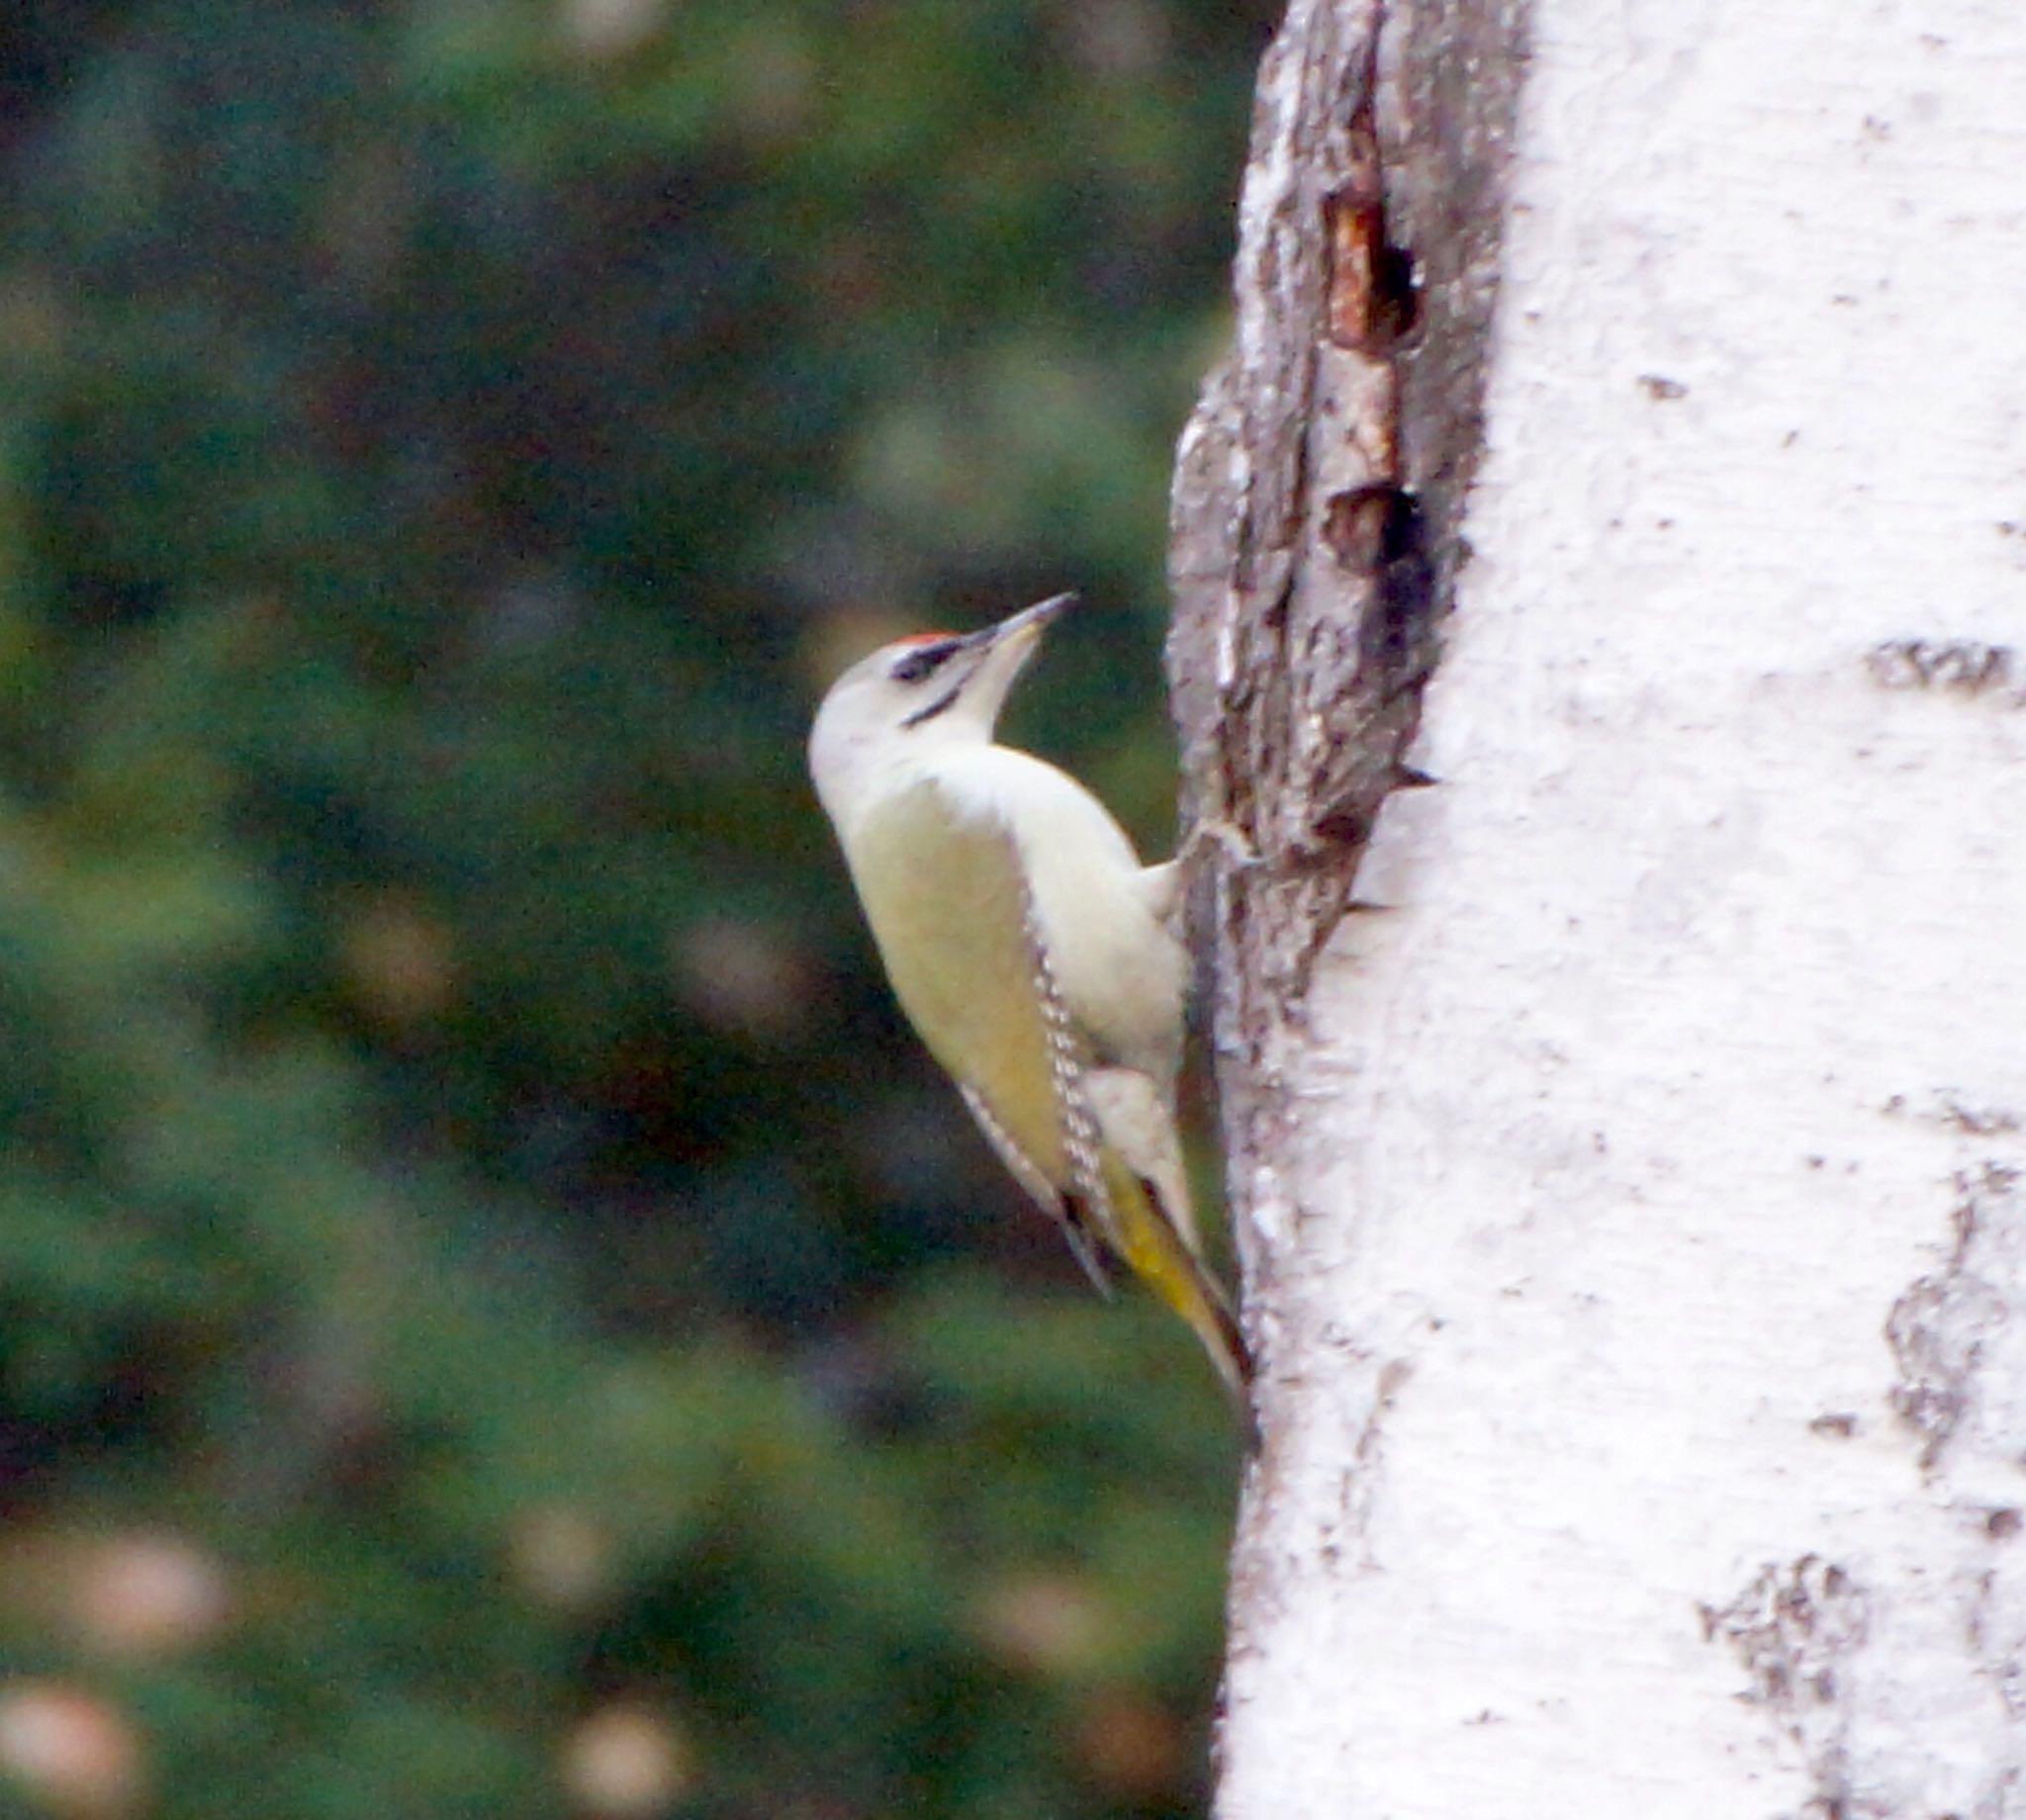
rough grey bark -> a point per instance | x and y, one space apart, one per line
1314 543
1318 497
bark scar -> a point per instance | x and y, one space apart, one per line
1374 292
1939 1329
1792 1628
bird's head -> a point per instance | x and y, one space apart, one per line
918 694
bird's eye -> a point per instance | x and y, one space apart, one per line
922 662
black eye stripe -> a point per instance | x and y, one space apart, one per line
923 661
934 708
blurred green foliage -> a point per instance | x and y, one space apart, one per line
496 1317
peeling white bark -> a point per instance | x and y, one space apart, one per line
1636 1220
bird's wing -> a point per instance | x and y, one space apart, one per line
1092 1139
947 903
1069 1210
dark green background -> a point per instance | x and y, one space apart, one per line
462 1184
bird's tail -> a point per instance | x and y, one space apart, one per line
1148 1234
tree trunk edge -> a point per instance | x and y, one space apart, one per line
1316 519
1316 540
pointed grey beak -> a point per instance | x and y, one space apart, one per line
1030 620
1003 650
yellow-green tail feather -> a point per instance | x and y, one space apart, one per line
1147 1238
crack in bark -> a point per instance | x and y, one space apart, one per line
1317 508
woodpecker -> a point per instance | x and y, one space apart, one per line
1030 949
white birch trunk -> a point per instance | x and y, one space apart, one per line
1634 1213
